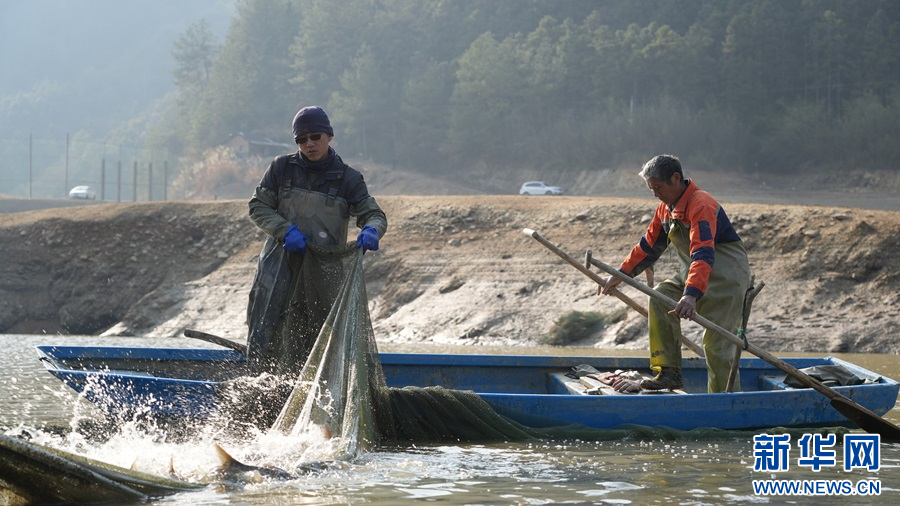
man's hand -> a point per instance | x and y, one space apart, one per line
686 307
367 239
611 282
294 240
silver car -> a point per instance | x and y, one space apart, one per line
539 188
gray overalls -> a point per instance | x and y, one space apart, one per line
291 295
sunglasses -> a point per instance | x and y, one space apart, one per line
303 139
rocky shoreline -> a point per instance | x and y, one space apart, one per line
451 270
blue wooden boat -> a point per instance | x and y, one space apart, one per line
535 391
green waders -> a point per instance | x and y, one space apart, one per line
292 293
723 304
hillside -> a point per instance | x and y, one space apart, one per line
452 269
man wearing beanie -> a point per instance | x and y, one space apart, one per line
303 204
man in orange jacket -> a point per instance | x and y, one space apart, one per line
712 279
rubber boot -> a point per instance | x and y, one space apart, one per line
669 378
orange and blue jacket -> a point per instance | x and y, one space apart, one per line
709 226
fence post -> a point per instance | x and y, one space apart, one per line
30 165
103 179
66 189
166 180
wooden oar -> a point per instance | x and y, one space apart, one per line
221 341
865 419
602 282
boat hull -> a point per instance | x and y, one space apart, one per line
531 390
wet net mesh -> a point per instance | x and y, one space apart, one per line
341 387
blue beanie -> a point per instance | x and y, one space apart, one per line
311 119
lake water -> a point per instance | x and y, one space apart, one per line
632 470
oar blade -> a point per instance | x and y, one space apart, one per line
866 420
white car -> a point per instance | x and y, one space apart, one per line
82 192
539 188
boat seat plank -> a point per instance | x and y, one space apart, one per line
581 386
570 385
589 386
592 382
597 387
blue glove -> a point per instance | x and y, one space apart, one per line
367 239
294 240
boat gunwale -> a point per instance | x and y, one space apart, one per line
50 354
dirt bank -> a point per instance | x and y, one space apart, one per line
452 269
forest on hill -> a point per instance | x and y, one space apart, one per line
476 86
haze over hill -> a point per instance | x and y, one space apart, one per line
90 71
104 57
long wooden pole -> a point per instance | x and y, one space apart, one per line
602 282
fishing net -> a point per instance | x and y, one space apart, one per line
341 387
320 354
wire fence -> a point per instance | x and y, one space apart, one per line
33 167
